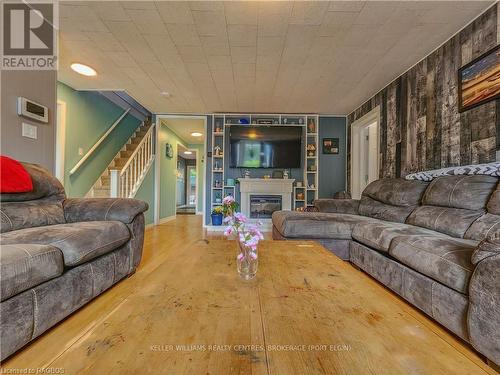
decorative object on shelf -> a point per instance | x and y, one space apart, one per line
216 166
217 151
311 186
246 174
311 150
285 121
218 130
278 174
312 168
301 121
217 184
300 196
230 182
266 177
275 121
311 126
264 121
254 122
243 121
285 174
169 151
299 184
217 216
479 80
218 198
247 237
330 146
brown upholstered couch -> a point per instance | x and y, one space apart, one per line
57 254
436 244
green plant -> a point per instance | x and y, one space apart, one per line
218 210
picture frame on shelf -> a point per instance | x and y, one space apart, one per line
331 146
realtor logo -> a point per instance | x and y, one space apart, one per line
29 36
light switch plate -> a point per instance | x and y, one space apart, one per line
29 131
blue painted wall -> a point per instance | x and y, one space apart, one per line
332 168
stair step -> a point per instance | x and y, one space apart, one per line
126 154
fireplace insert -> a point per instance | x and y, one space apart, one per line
263 206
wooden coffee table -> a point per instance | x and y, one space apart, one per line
307 312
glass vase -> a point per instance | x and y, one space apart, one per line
247 261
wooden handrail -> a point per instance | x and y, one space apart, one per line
96 145
137 149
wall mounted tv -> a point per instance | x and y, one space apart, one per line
265 146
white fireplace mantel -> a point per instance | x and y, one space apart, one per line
262 186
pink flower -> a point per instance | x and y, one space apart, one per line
228 231
228 200
239 217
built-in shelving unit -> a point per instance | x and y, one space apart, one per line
221 121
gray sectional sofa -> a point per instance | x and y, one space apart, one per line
436 244
57 254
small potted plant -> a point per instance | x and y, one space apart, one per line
217 215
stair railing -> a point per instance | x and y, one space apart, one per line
98 143
125 182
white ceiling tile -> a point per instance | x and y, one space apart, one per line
242 35
276 56
241 12
192 54
308 13
175 12
183 35
243 54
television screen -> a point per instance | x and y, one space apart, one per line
265 146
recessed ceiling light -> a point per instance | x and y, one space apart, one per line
165 93
83 69
188 152
196 134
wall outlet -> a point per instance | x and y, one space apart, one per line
29 131
80 151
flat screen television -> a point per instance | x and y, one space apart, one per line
265 146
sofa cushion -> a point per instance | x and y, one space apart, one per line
391 199
20 215
379 234
469 192
79 242
488 226
446 260
24 266
293 224
452 221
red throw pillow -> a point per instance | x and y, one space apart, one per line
14 178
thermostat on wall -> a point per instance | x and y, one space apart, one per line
31 109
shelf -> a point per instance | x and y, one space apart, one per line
311 157
312 134
218 156
299 187
217 170
217 188
218 134
300 200
311 171
312 189
229 187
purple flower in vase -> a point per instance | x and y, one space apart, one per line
239 217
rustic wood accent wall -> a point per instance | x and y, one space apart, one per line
420 126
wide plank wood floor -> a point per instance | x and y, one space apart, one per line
306 313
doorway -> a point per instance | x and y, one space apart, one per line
365 143
174 185
186 187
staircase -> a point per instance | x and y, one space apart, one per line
124 175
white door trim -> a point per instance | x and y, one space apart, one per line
157 161
60 140
356 127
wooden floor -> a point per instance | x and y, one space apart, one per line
168 301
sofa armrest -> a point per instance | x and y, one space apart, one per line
340 206
101 209
484 300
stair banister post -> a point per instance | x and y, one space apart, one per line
114 184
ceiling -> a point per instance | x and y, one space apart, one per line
183 127
272 56
181 149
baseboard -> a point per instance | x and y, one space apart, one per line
166 219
